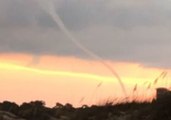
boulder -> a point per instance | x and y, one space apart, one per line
8 116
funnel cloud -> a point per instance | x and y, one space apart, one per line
51 10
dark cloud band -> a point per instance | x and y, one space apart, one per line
127 32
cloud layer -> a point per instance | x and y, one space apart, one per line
134 31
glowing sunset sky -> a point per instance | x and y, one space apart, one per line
38 60
69 79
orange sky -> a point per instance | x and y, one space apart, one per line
69 79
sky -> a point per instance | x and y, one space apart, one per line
132 36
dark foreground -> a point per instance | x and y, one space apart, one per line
159 109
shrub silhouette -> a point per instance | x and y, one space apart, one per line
33 110
9 107
159 109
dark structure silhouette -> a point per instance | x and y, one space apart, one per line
162 93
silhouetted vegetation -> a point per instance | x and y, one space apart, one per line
159 109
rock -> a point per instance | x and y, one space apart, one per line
8 116
64 118
52 118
